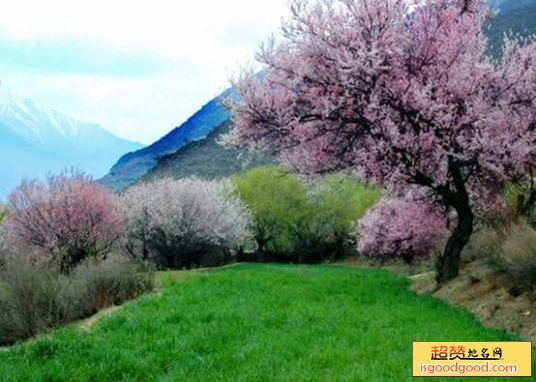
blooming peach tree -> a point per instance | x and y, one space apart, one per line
401 227
67 216
401 95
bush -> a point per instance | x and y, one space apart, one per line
486 244
521 200
68 216
28 299
111 282
184 223
402 227
519 257
35 297
509 248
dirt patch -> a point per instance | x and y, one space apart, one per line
90 322
486 293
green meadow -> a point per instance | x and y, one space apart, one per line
253 323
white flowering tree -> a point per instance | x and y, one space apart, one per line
180 223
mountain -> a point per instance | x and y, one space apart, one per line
133 166
206 158
36 140
516 16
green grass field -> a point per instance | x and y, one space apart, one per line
254 323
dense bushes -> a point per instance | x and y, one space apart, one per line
35 296
486 244
184 223
28 300
519 257
68 217
299 222
110 282
509 248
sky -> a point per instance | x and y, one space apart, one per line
138 68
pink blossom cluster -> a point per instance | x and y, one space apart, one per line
401 227
68 215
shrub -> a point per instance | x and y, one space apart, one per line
97 285
28 299
521 199
68 216
401 227
184 223
486 244
35 296
519 257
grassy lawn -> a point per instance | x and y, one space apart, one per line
254 323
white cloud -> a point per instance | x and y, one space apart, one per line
201 41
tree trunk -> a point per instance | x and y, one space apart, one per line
525 206
261 254
407 257
449 263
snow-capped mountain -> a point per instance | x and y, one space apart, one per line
36 140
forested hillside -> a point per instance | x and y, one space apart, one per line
206 158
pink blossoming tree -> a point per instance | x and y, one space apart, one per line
401 227
68 216
401 95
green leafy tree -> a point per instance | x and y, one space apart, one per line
277 200
302 222
338 201
335 203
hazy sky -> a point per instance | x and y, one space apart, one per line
136 67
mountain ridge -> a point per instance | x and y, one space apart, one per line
207 159
132 166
